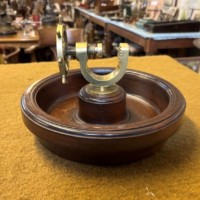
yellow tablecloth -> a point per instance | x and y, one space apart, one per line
29 171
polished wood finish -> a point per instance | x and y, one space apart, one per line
102 107
19 40
154 113
47 36
74 35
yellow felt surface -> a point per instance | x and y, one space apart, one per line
29 171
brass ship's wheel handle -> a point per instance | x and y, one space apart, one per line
81 51
61 46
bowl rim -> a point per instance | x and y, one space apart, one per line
166 118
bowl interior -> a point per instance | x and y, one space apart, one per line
146 97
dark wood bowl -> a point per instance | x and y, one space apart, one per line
154 113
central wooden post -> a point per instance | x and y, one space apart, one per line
102 105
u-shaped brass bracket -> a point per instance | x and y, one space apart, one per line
102 80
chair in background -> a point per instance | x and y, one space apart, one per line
74 35
47 43
47 37
9 55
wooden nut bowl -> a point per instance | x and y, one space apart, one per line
154 113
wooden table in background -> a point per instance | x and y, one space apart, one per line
151 42
19 40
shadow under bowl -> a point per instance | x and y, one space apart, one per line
154 110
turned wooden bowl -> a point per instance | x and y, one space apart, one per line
154 113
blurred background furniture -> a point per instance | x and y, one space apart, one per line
101 6
102 21
45 50
74 35
9 54
196 43
150 42
20 39
192 62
